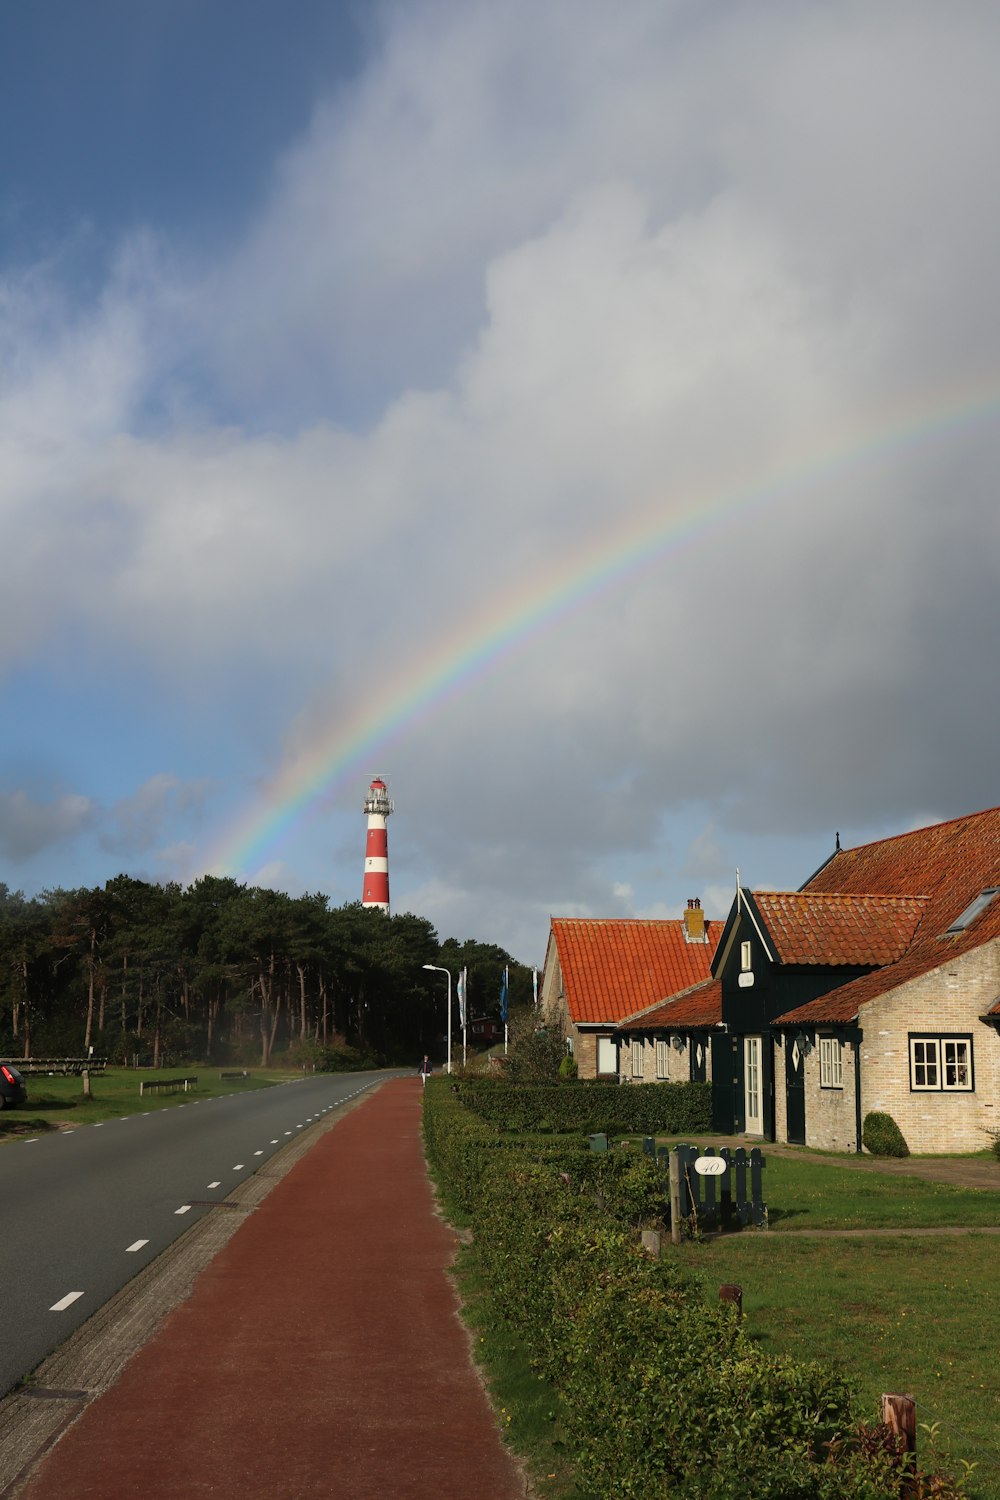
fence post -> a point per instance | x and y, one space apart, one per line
899 1413
675 1196
733 1294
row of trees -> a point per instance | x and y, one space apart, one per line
221 971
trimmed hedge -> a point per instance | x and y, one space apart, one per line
632 1109
659 1390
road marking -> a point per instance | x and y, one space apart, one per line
275 1141
65 1302
30 1142
288 1132
258 1153
215 1184
239 1166
298 1127
136 1245
184 1208
99 1124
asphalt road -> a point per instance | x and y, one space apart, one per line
81 1211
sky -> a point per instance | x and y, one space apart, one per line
586 417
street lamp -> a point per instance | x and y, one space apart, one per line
438 969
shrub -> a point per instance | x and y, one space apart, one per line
568 1068
639 1109
882 1136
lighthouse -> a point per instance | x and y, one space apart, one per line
378 807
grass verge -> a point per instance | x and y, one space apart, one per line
914 1315
55 1102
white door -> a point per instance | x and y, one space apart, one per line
754 1109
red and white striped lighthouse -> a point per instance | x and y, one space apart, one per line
376 886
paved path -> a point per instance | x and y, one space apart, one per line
959 1171
319 1354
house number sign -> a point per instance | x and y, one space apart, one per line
710 1166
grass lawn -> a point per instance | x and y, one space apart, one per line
918 1315
57 1101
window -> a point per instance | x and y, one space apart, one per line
831 1063
607 1055
746 957
941 1063
662 1058
973 909
636 1059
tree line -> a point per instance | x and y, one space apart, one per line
224 972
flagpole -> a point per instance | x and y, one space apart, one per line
465 1016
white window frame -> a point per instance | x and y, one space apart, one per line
746 957
941 1064
604 1045
662 1057
637 1050
831 1062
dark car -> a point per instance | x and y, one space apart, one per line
12 1087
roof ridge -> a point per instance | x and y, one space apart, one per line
910 832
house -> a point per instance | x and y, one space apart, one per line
876 986
600 971
671 1042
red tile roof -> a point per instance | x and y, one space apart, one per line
948 865
613 967
820 927
699 1006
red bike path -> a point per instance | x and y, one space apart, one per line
320 1354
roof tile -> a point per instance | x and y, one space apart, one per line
614 967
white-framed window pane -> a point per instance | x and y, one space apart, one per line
636 1059
746 957
607 1055
662 1058
957 1064
924 1054
831 1063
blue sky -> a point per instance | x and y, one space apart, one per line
323 327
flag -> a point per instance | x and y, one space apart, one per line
503 995
534 987
461 998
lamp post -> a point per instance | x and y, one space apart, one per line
439 969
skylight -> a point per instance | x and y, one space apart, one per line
973 909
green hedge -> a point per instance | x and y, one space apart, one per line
630 1109
659 1389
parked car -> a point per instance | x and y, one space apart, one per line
12 1087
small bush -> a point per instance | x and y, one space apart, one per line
882 1136
567 1068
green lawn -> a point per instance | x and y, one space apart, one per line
918 1315
57 1101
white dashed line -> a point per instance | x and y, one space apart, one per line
239 1166
184 1209
215 1184
275 1141
136 1245
258 1153
65 1302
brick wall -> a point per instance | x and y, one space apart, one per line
948 1001
678 1062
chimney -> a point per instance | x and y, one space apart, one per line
694 923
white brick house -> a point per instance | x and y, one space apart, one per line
874 988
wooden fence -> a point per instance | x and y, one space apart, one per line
33 1066
716 1198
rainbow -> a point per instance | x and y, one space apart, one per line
453 663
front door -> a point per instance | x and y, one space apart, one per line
753 1102
795 1091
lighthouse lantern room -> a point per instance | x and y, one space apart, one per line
378 806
